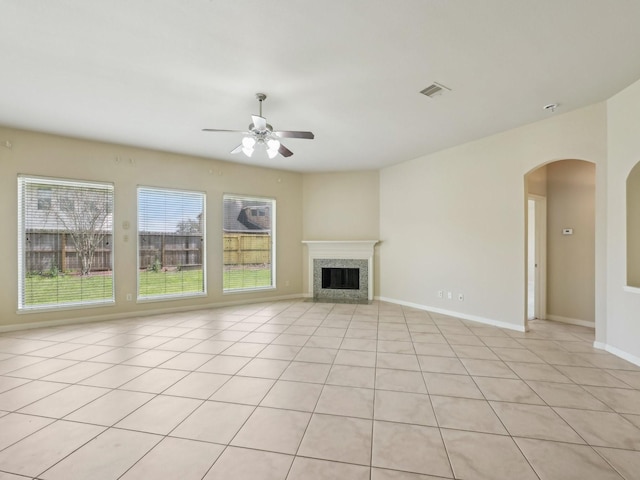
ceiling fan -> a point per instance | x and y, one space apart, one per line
262 134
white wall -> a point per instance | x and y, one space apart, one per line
54 156
455 220
623 305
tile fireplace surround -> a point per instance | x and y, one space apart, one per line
341 254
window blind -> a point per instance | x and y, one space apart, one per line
249 243
65 243
171 241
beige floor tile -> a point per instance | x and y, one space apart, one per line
86 353
507 390
245 464
154 381
481 456
160 415
355 358
466 414
487 368
223 364
41 369
425 338
532 371
118 355
306 372
273 429
591 376
604 429
399 380
175 458
115 376
383 474
46 447
198 385
516 355
562 461
626 463
211 346
246 390
478 353
347 401
629 377
77 372
28 393
635 419
398 361
316 355
179 344
10 476
410 448
293 396
342 439
312 469
620 399
403 407
535 421
214 422
15 427
500 342
350 376
245 349
151 358
279 352
433 349
436 364
65 401
8 383
105 457
264 368
566 395
451 385
291 340
367 345
187 361
110 408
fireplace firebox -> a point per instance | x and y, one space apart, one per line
341 278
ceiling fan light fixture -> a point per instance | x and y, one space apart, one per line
248 142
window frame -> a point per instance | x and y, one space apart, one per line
273 207
171 296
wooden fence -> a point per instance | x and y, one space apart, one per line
47 250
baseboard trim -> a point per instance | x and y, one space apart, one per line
465 316
617 352
146 313
571 321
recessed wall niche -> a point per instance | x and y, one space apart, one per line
633 227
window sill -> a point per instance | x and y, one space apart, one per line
247 290
629 289
170 298
59 308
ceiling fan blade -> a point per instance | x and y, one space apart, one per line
284 151
293 134
219 130
238 149
259 123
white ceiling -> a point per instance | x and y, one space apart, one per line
154 73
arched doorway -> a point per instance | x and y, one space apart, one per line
560 247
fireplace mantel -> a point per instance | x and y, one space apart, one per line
341 249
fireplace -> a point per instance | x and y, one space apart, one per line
341 271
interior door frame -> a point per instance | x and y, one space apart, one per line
540 278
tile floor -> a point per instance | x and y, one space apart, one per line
297 390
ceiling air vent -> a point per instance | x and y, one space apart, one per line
434 90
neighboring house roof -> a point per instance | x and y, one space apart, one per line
234 221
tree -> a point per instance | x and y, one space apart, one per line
189 226
85 214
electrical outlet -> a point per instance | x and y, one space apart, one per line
440 293
129 297
461 297
449 295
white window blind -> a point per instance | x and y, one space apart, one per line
65 237
171 240
249 243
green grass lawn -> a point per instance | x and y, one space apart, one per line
42 290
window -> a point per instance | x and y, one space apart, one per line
170 243
249 236
65 254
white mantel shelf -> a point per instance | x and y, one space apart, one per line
342 249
